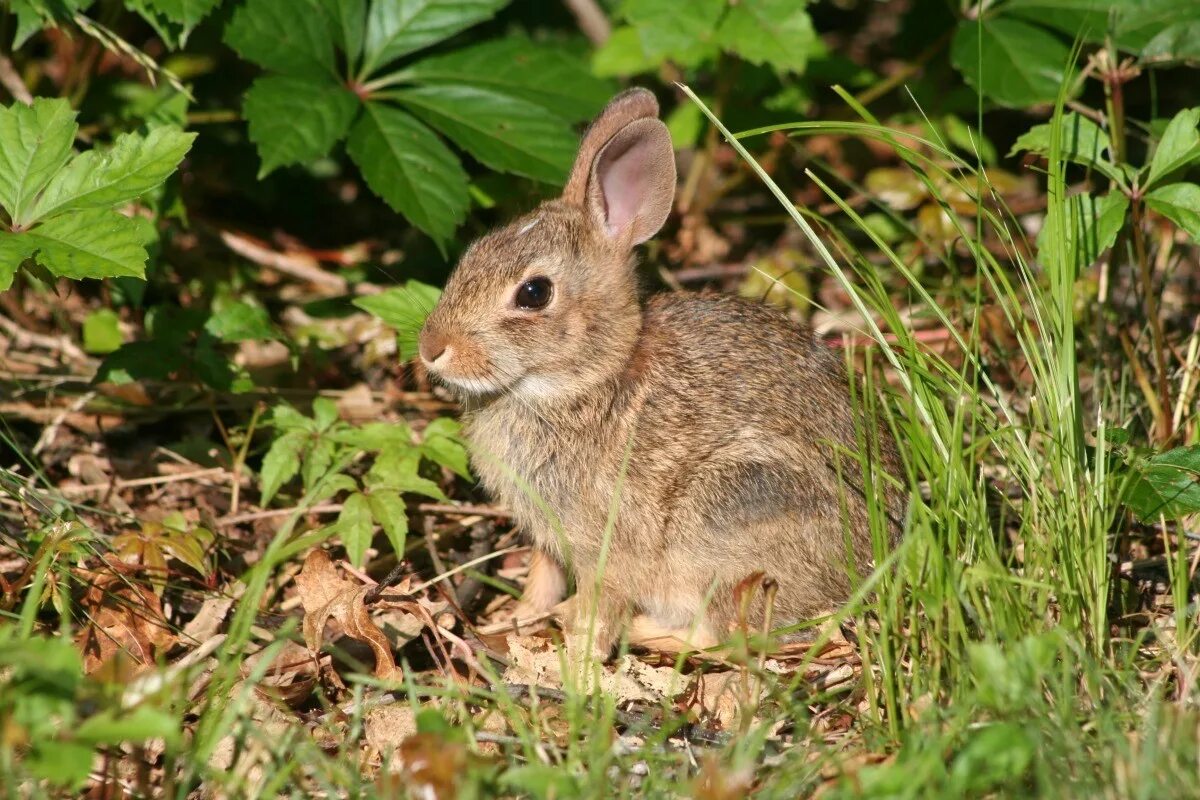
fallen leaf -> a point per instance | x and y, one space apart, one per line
123 616
386 728
290 677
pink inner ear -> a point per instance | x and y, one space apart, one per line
625 182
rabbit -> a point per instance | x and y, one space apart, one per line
658 452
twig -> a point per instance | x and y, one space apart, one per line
303 267
254 516
58 344
592 21
51 430
465 510
153 480
10 79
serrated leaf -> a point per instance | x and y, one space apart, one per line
1180 203
325 413
441 444
775 32
408 166
286 418
404 308
1081 141
33 15
286 130
134 165
239 321
95 243
317 461
289 36
375 436
349 20
1166 485
355 527
514 66
622 55
682 32
396 28
505 133
14 249
1009 61
1092 224
102 331
397 470
35 142
1179 146
173 19
281 463
391 513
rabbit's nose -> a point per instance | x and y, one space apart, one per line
432 346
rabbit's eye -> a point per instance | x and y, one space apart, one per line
534 293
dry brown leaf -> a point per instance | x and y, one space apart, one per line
386 728
326 594
290 677
123 616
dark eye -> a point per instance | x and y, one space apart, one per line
534 293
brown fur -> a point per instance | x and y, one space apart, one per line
696 434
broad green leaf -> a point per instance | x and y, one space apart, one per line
173 19
408 166
325 413
281 463
622 55
1179 146
775 32
14 249
138 725
289 36
1166 485
239 321
685 122
1177 42
102 331
505 133
35 142
1081 141
355 527
94 243
286 418
34 15
391 513
66 764
317 461
349 20
517 67
683 32
134 165
1180 203
1092 224
396 28
375 436
288 130
441 444
1139 23
1009 61
1086 18
404 308
398 470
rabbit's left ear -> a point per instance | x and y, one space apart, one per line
632 181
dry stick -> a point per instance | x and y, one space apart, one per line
298 266
11 80
330 508
51 430
59 344
592 21
150 481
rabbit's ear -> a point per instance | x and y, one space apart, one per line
625 170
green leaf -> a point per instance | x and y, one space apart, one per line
286 418
14 249
1092 225
349 20
286 131
134 165
1178 42
281 463
1179 146
325 413
138 725
390 512
514 66
1141 23
775 32
682 32
184 15
1086 18
1009 61
290 36
35 141
505 133
355 527
397 470
622 55
102 331
1180 203
62 763
239 321
96 243
1166 485
396 28
441 444
317 462
34 15
1081 141
404 308
375 436
408 166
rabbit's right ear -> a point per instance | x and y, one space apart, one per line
625 172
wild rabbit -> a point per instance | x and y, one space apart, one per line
659 451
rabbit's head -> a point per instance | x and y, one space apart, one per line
547 306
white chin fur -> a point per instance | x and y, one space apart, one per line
472 385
